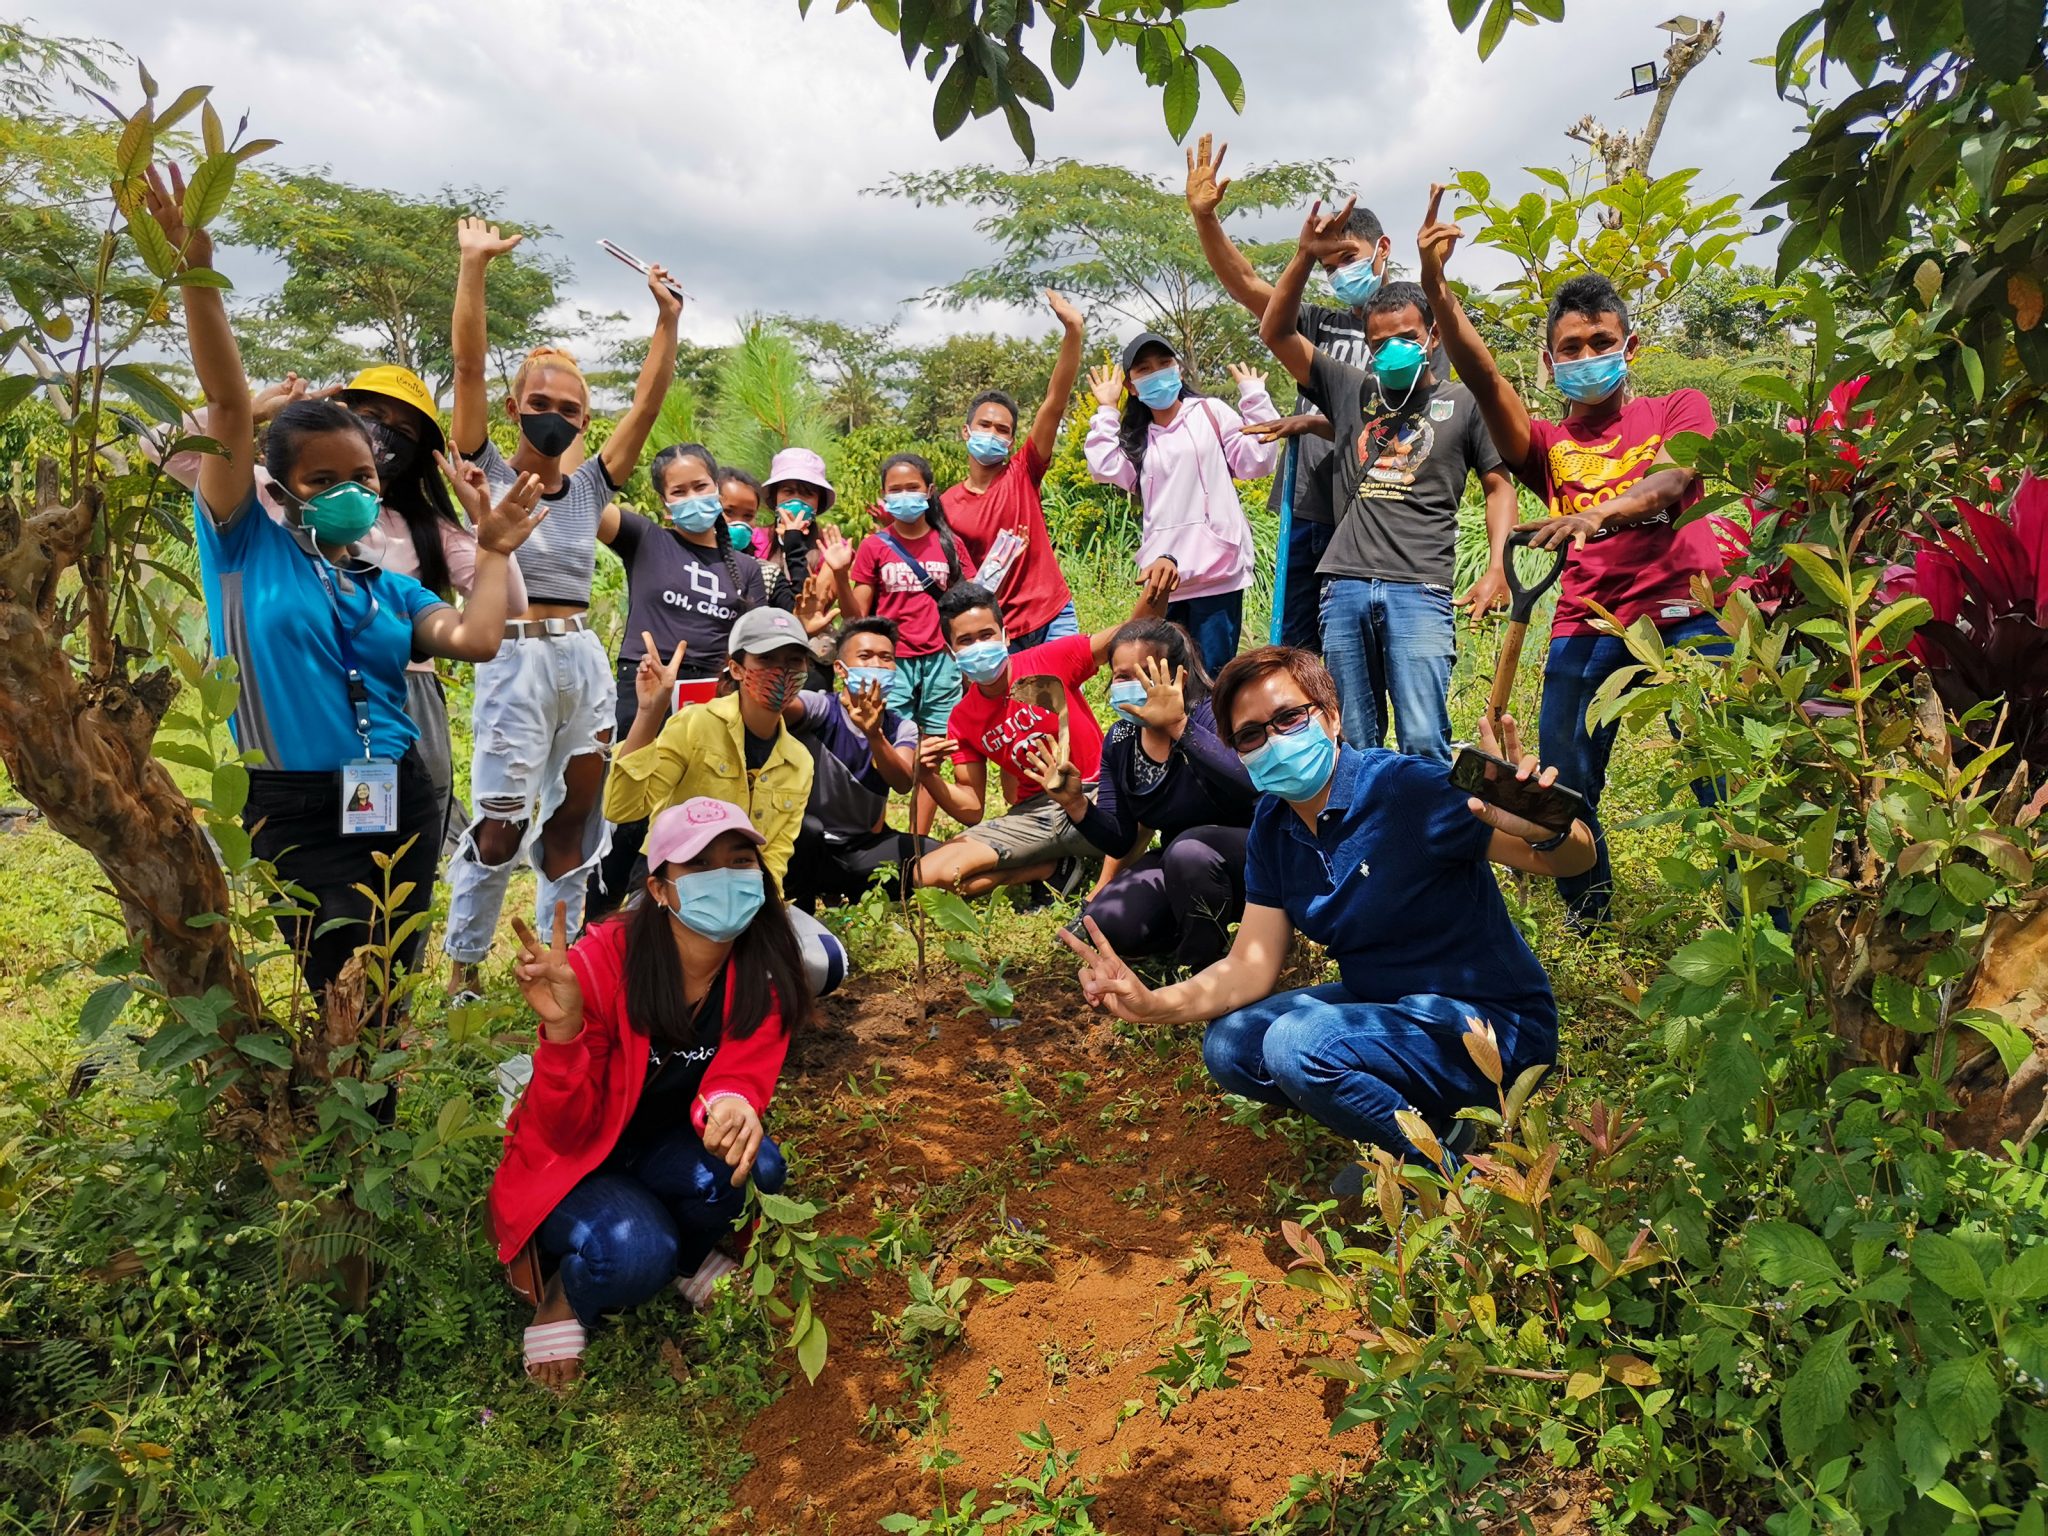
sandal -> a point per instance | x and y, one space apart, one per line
696 1289
549 1342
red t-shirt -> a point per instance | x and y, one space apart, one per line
1647 567
899 595
991 730
1035 591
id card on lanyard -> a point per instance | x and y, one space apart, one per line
369 785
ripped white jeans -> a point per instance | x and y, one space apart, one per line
539 703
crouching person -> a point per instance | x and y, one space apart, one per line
1375 856
662 1034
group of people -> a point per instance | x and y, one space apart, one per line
786 675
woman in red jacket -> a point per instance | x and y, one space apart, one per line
662 1033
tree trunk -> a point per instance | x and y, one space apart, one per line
2012 981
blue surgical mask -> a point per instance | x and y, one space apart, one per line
694 514
1294 766
341 514
718 903
1127 695
1161 389
1397 362
881 677
983 661
1355 282
986 448
906 506
1589 380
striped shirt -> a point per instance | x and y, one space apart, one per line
559 556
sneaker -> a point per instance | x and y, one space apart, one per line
468 997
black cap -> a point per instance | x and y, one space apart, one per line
1140 342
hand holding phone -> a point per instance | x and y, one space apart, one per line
1552 807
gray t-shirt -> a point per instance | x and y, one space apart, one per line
557 560
678 591
1341 333
848 792
1402 522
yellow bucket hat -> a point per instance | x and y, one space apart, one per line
402 385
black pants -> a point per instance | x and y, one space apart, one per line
1179 901
295 822
834 872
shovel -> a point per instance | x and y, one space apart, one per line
1521 604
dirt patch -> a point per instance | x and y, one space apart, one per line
1096 1176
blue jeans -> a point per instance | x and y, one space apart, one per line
1307 543
1393 640
1572 674
1058 627
645 1217
1351 1064
1215 622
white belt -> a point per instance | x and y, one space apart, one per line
535 629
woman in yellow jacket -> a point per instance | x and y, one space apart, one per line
735 748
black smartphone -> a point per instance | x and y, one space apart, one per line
1555 808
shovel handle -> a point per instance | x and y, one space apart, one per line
1504 673
1522 599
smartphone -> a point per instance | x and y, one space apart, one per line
701 690
620 253
1555 808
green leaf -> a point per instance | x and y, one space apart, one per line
1069 48
145 389
1707 960
2004 34
1921 1447
1905 1006
956 92
1963 1396
2013 1044
210 132
1877 1491
1785 1254
1973 370
1463 12
13 390
1825 581
1819 1393
1228 80
231 790
1498 14
810 1349
1183 96
791 1213
188 98
106 1004
2026 1277
1948 1264
207 192
137 140
268 1049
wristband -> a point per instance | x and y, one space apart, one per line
1551 842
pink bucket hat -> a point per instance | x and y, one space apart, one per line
804 467
682 831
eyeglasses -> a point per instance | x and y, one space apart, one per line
1247 739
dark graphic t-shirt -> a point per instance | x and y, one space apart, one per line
677 591
1341 333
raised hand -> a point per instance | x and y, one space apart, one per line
1248 378
865 703
1489 592
166 204
789 522
1065 313
1166 702
667 300
934 752
815 609
1309 424
1205 185
654 681
835 549
272 398
1108 384
1047 762
1437 239
1508 744
507 523
1322 235
1106 982
479 239
732 1134
1159 580
545 979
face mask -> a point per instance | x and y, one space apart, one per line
550 432
768 687
1127 695
341 514
983 661
1159 390
1293 767
741 534
881 677
986 448
394 450
906 506
694 514
1398 362
1591 379
1355 282
796 509
718 903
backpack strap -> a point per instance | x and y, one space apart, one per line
924 578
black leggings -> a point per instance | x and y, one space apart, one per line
295 822
836 872
1179 901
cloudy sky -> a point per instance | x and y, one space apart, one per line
733 140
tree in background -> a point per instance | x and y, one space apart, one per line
765 399
368 261
941 378
857 366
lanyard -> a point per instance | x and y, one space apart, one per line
358 693
931 588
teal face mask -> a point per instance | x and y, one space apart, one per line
694 514
1589 380
1355 282
718 903
341 514
741 534
797 509
1127 697
1397 362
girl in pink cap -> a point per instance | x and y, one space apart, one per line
662 1036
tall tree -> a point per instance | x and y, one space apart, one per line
382 264
859 367
1117 243
766 399
941 378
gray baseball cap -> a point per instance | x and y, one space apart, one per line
761 630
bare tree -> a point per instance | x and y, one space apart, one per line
1620 152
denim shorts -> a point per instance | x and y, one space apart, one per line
1036 832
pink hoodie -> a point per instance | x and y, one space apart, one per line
1191 510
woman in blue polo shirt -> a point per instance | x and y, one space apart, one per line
322 637
1376 857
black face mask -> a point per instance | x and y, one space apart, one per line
550 432
394 450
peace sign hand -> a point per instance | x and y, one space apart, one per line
654 682
1205 186
1108 384
1165 707
1323 235
1437 238
545 979
1106 982
505 525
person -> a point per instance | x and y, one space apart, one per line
996 720
1181 453
800 494
999 499
544 702
737 748
321 637
662 1036
1407 444
1165 771
1613 492
686 585
862 751
1374 855
740 494
1355 262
